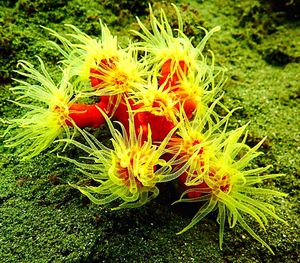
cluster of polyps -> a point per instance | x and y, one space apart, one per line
163 93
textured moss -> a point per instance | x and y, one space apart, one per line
43 220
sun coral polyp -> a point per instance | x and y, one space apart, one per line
46 117
227 186
171 79
130 171
117 75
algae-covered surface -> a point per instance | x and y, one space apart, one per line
43 219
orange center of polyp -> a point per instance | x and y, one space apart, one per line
108 74
218 183
125 175
62 114
188 148
160 106
120 79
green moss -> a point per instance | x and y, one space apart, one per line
43 220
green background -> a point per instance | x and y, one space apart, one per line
42 219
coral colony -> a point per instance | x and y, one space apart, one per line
164 92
